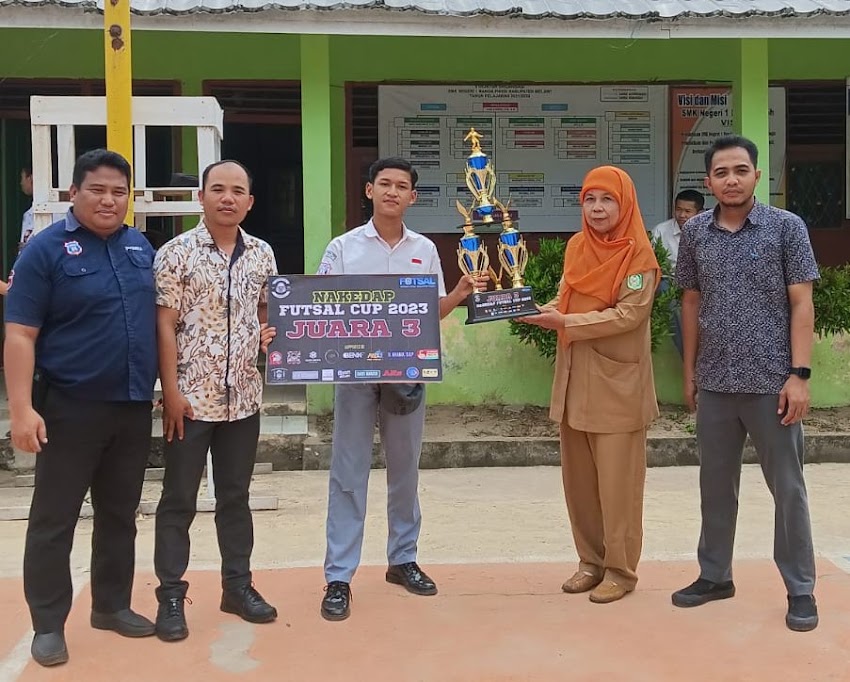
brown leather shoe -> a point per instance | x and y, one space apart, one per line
608 591
582 581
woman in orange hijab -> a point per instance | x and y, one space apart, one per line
603 393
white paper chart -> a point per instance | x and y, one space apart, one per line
541 139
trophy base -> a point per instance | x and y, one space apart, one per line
502 304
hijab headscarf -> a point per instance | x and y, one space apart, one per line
595 265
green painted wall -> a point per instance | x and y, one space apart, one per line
808 59
577 60
484 363
189 56
542 59
37 53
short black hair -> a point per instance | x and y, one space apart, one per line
26 169
730 142
393 162
97 158
693 196
207 170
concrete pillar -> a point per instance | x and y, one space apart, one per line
318 134
316 147
750 94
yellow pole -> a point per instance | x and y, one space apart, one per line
119 83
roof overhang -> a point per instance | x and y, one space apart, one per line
380 22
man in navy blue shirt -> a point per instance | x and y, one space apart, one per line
80 360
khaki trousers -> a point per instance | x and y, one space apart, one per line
604 475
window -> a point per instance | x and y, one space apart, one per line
816 144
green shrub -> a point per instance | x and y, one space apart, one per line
832 300
543 274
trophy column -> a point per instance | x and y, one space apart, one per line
501 304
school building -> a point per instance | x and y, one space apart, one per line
312 93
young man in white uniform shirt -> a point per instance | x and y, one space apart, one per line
688 203
382 246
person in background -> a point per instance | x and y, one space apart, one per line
688 203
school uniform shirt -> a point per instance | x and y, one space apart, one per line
361 251
670 234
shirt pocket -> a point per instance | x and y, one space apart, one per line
615 386
142 263
82 280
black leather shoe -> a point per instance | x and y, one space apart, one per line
412 578
248 604
171 620
703 591
49 649
125 622
336 604
802 613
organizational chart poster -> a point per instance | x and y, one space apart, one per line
541 139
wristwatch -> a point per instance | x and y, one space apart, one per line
802 372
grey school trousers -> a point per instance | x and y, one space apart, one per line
356 410
723 422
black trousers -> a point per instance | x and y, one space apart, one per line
234 449
102 446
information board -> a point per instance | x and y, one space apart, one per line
354 329
542 140
698 116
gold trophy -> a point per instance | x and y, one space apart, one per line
472 257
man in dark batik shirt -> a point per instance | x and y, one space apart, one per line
748 326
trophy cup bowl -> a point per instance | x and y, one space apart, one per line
472 254
513 255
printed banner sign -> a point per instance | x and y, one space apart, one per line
698 116
354 329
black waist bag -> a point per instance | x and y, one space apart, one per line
401 398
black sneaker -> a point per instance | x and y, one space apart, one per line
703 591
248 604
802 613
336 604
171 620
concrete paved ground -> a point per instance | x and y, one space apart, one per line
498 543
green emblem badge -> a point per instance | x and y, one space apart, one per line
635 282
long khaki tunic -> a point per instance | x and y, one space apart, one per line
603 396
603 378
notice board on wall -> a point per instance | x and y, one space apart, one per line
698 116
541 139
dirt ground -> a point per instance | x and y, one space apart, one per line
444 422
